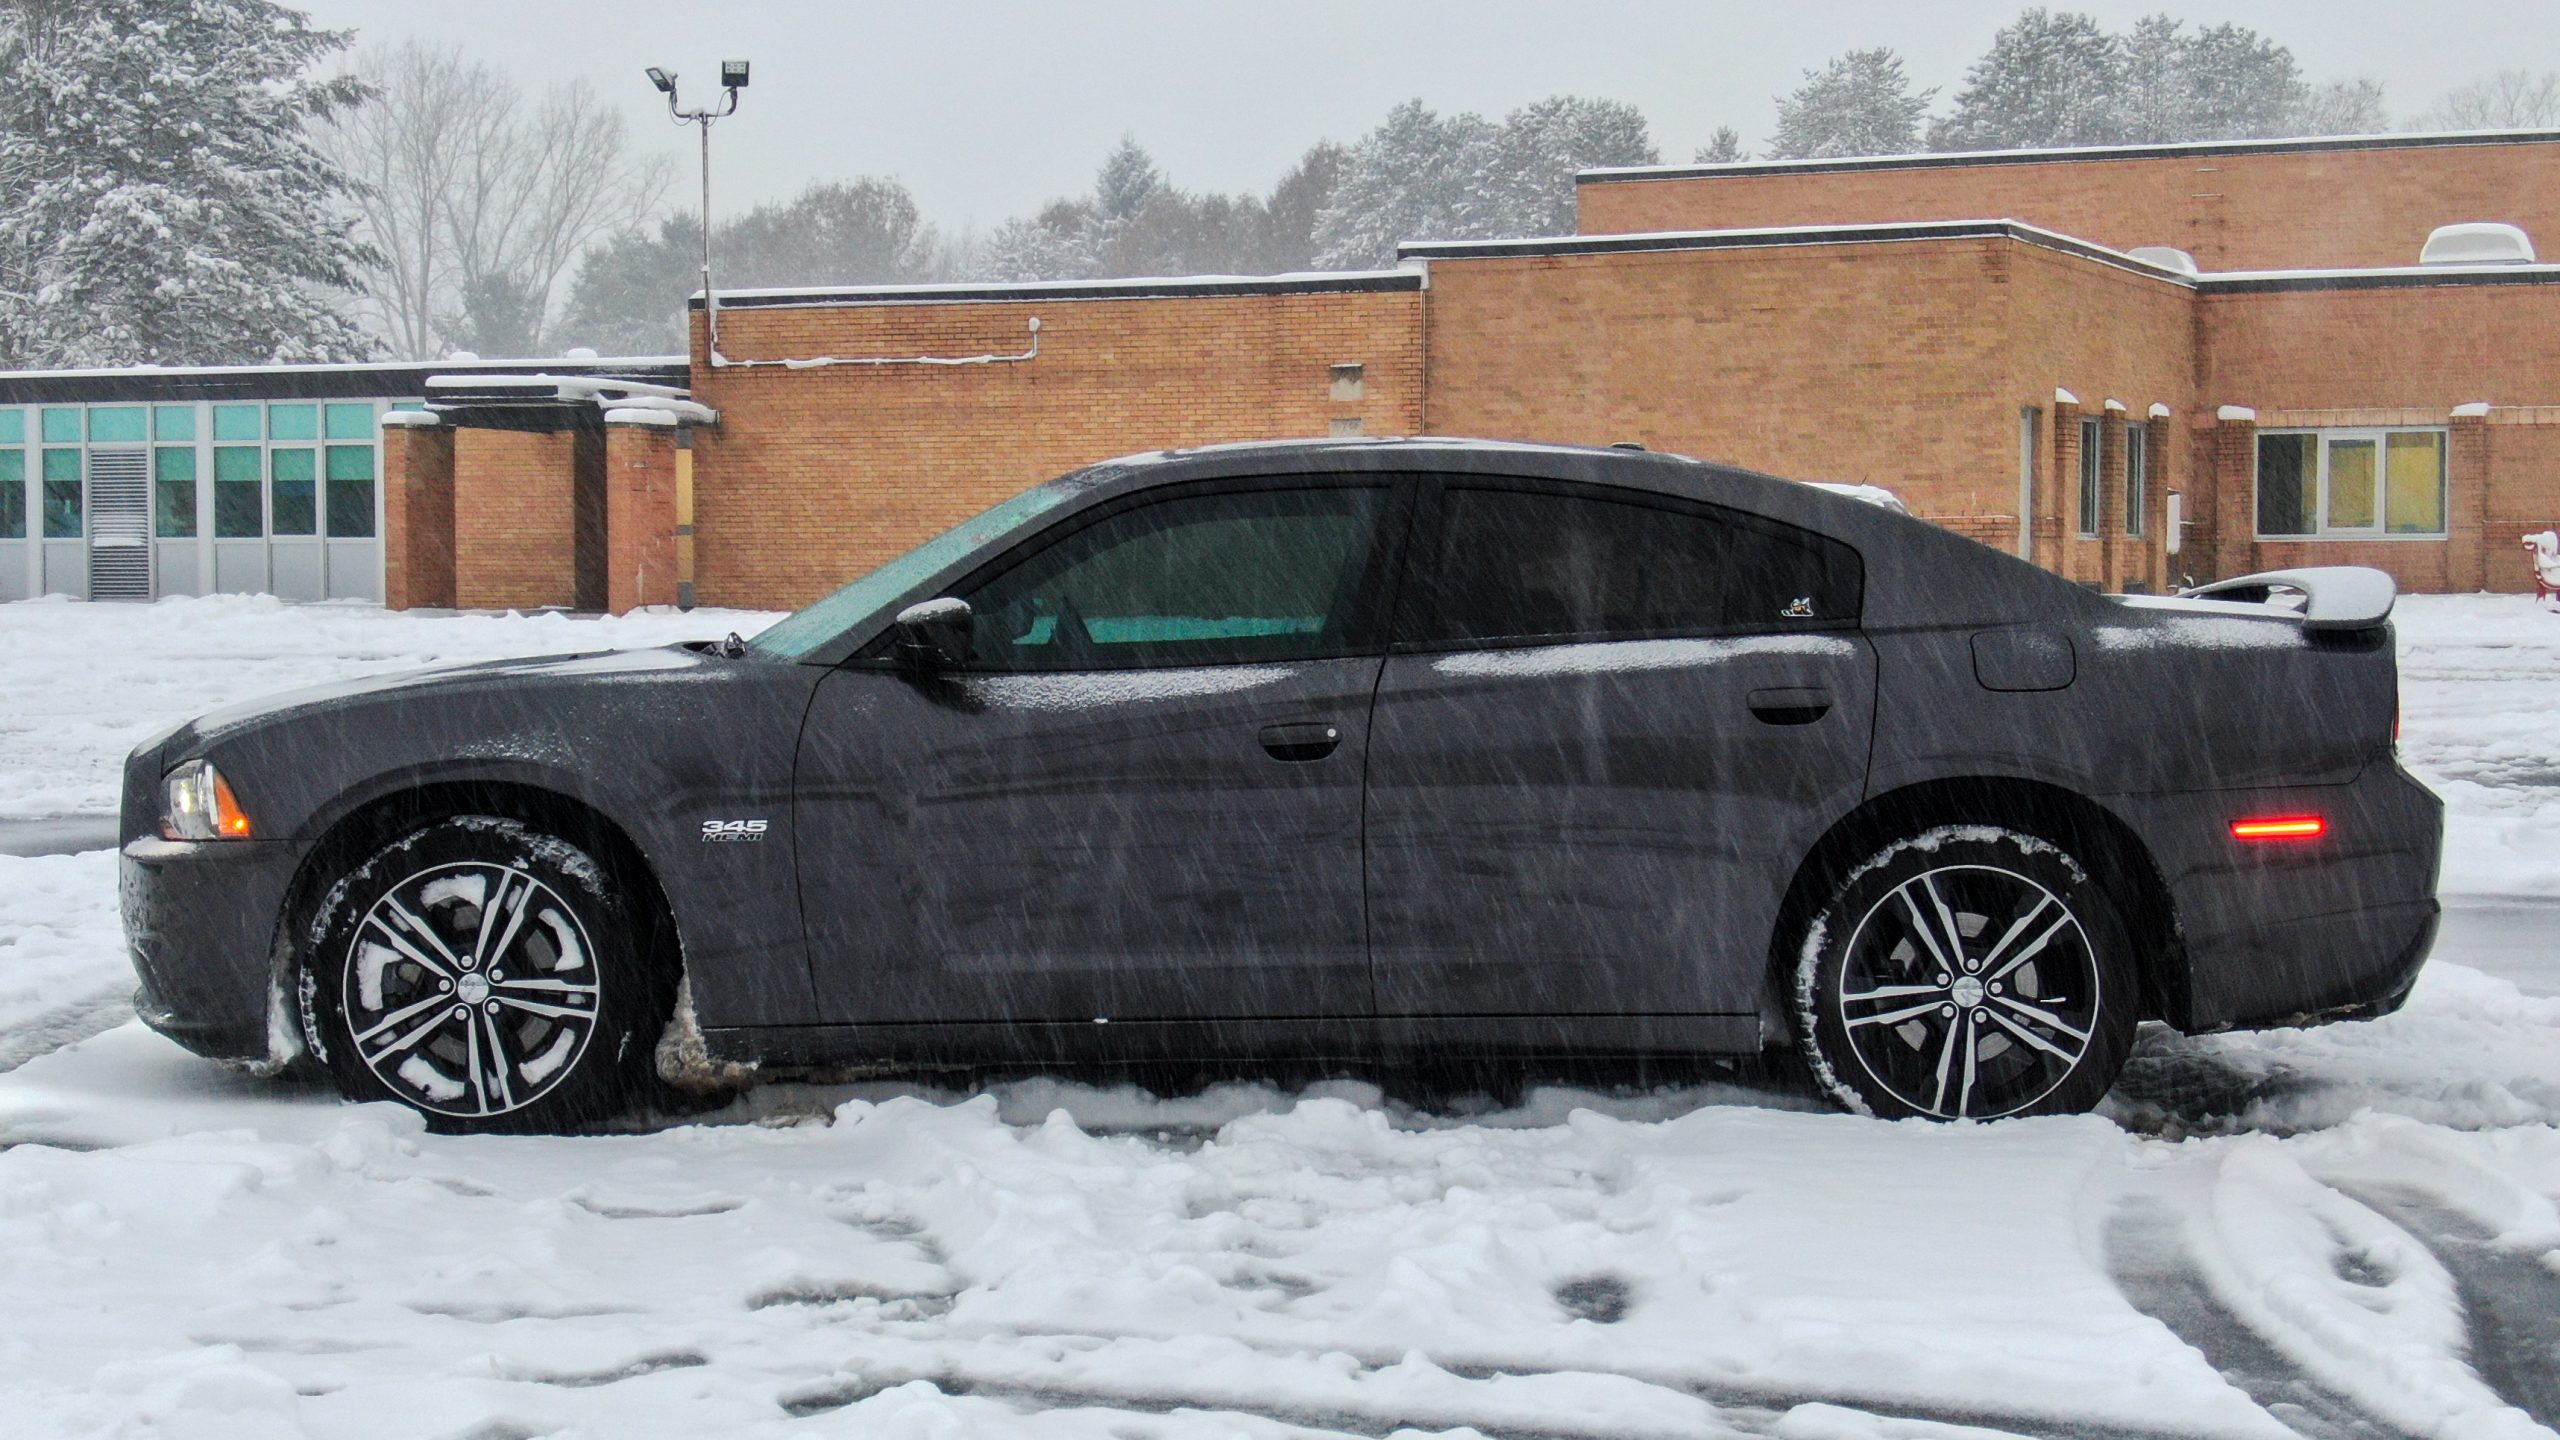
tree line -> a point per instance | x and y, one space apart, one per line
189 187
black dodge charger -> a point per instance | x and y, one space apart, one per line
1356 751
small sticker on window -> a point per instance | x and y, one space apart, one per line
1800 608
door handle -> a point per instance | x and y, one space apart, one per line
1300 742
1790 704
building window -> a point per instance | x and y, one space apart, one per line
2092 443
293 422
2137 479
238 512
62 425
173 492
13 494
173 422
2348 484
237 422
351 488
62 490
290 506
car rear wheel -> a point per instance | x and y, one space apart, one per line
1972 972
488 976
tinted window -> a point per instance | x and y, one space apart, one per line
1525 565
1201 580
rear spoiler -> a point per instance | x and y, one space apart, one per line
2334 597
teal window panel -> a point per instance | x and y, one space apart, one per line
238 422
62 425
350 422
239 509
62 495
173 422
13 494
173 492
13 427
118 424
293 422
350 497
292 497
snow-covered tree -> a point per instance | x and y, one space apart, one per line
1422 176
630 292
1859 104
165 204
2507 100
1722 148
2048 80
2343 107
2239 85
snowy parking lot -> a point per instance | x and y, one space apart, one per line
2346 1232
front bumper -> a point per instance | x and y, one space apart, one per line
201 921
2288 933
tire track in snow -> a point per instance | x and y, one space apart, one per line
2153 1272
2510 1298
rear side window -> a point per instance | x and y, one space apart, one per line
1522 565
1221 578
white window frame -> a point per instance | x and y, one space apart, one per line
2091 483
2137 479
2379 438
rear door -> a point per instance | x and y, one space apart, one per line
1610 726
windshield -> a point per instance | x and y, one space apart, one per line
801 634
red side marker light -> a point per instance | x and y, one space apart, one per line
2280 827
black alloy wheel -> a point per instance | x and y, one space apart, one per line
1967 974
488 976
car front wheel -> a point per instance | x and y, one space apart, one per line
1972 972
487 975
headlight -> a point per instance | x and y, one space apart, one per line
196 803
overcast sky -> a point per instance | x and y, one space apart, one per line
987 109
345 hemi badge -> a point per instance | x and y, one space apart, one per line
734 829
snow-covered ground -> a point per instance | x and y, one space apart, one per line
2343 1232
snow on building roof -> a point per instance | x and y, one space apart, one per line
1776 235
1950 159
1153 287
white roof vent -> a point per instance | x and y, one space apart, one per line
2167 257
2480 242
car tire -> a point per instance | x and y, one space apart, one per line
487 975
1971 972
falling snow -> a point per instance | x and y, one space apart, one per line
2343 1231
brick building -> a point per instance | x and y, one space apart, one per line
2043 350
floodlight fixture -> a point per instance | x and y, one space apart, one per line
665 80
733 74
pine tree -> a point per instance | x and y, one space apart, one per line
1412 178
1860 104
166 205
2239 85
1722 148
2048 80
1525 184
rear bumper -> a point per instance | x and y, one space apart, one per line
2294 932
200 922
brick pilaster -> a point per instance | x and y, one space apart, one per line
417 511
2231 449
640 509
2468 466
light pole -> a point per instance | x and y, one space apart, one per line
733 78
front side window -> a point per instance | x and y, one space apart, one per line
2137 479
1530 566
2346 484
2092 444
1222 578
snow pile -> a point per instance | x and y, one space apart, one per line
62 968
89 681
2480 723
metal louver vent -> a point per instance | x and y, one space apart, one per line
120 524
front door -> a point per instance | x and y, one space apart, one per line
1140 797
1610 727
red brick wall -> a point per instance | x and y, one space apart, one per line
514 520
2358 208
1902 365
815 476
417 516
640 516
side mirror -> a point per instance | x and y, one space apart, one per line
935 634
